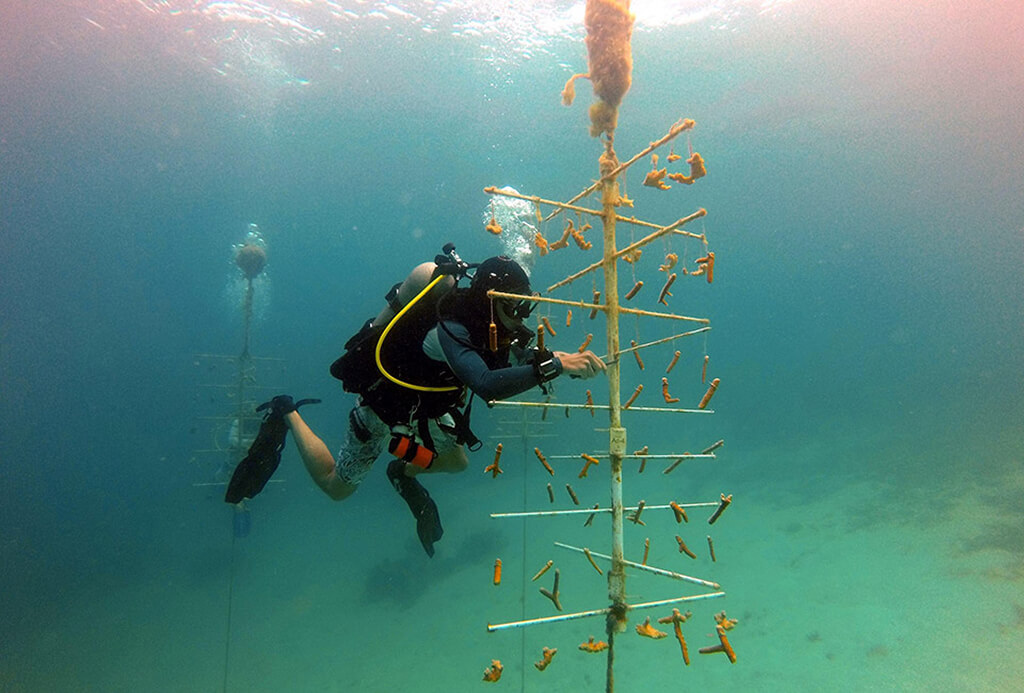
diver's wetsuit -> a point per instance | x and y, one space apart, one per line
368 435
470 368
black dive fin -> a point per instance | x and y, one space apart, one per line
255 470
423 507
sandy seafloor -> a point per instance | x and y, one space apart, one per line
865 207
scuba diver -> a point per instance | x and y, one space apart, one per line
413 367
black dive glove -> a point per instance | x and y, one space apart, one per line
283 404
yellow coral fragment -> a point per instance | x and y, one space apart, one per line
696 162
541 243
648 631
656 179
697 170
633 256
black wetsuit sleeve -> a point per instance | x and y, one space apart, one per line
471 369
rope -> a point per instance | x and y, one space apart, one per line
227 630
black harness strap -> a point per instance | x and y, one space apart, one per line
463 434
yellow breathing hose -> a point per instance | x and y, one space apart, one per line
384 334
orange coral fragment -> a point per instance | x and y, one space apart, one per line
643 460
682 642
675 464
646 630
722 505
636 353
724 621
541 243
655 178
707 395
670 261
665 289
679 511
589 461
706 266
697 170
572 494
634 516
543 570
497 571
493 468
590 402
636 288
546 656
675 617
591 646
563 242
543 461
636 393
577 235
722 646
493 672
664 392
683 548
726 646
553 593
633 256
495 228
586 343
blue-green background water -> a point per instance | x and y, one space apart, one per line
865 208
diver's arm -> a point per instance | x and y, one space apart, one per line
470 368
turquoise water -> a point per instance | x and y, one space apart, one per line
864 205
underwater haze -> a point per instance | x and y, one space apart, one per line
865 199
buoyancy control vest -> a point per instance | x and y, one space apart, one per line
385 364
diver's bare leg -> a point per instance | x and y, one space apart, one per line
318 459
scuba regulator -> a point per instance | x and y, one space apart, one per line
450 263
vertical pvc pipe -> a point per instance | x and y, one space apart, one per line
616 621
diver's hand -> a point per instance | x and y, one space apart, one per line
580 365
